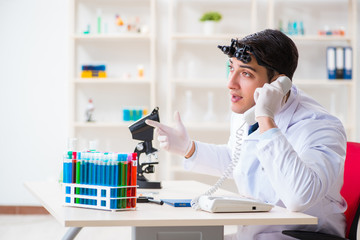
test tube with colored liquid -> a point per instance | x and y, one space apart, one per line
103 176
86 175
133 178
67 167
128 183
73 169
107 169
120 179
66 163
124 180
78 176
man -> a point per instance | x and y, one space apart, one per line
295 157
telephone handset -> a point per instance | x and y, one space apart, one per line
285 83
249 118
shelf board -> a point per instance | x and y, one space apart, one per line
320 38
110 80
327 82
204 82
125 36
190 36
207 126
222 83
102 124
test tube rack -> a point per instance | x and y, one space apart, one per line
100 197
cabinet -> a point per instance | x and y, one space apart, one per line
196 84
97 36
337 96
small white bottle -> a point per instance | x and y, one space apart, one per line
188 116
90 111
210 114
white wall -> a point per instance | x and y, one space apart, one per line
34 94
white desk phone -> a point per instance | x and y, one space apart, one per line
210 203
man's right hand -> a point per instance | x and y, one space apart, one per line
175 140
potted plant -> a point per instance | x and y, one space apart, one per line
209 20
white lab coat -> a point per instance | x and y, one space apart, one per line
298 166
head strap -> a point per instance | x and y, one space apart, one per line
242 52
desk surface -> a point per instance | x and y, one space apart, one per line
150 215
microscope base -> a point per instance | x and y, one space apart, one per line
146 184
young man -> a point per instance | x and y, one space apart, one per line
295 157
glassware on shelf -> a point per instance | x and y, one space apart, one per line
189 113
89 113
210 114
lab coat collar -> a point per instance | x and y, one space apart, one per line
284 117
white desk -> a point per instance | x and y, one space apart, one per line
152 215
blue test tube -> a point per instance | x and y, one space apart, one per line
92 175
66 162
107 169
98 175
81 176
111 169
112 180
67 167
116 176
86 175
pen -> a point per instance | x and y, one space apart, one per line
144 199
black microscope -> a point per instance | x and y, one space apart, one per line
143 132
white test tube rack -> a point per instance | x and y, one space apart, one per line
102 198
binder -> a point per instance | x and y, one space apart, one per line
330 62
339 56
348 63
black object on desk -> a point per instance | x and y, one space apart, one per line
144 199
145 133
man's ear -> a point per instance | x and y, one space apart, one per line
276 77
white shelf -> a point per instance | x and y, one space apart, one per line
111 80
198 126
349 39
192 36
327 82
122 52
189 36
200 83
102 124
329 38
125 36
207 126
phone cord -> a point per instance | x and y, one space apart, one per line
235 159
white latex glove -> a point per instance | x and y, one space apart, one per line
175 140
269 100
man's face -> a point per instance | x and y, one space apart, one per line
244 78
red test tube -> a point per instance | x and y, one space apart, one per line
133 179
74 154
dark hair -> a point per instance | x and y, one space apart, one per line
274 49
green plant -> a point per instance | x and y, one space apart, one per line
211 16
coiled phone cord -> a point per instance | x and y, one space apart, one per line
229 170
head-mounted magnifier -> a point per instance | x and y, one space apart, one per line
242 52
